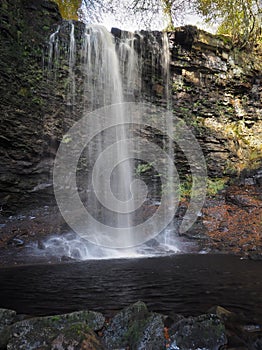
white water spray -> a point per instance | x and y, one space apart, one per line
72 61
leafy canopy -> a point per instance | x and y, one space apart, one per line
69 8
240 19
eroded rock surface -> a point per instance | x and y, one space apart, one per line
68 331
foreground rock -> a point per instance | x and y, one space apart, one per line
202 332
7 317
69 331
133 328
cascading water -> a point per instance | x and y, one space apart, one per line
111 71
103 84
72 57
169 232
53 53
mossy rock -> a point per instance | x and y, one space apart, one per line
136 328
57 332
7 317
203 332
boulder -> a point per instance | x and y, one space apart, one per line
7 317
69 331
201 332
136 328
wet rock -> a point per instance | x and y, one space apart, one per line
221 312
197 231
135 327
256 343
7 317
241 332
77 336
153 336
243 200
255 256
16 242
66 331
203 332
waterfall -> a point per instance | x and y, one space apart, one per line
103 86
72 60
169 232
53 47
109 70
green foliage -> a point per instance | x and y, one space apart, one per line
66 139
185 187
167 9
142 168
215 185
135 331
68 8
55 318
171 9
240 19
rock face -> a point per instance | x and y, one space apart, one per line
135 327
215 89
24 151
218 92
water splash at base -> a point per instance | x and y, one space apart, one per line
72 247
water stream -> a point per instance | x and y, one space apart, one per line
111 73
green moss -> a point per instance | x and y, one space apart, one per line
185 187
77 330
214 185
38 100
66 139
142 168
55 318
23 92
134 332
184 109
177 85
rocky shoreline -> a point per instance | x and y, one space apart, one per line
133 328
230 222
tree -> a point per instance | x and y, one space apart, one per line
69 8
170 9
240 19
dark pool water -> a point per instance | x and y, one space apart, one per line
187 284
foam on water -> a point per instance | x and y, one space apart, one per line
74 247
